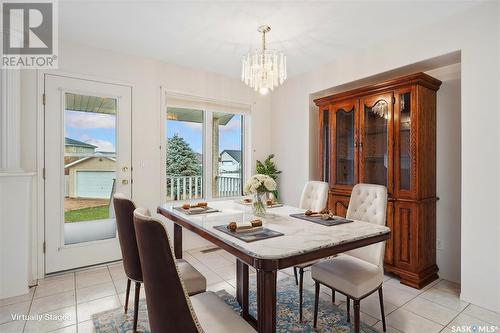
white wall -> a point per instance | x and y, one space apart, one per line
14 233
146 76
475 34
448 171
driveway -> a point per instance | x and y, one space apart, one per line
79 203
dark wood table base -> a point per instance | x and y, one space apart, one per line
266 296
267 269
266 300
242 292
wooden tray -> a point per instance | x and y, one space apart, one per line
316 219
196 210
275 205
251 235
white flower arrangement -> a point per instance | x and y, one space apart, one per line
259 184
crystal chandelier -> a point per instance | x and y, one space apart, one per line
265 69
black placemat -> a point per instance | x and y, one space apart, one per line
205 210
318 220
250 236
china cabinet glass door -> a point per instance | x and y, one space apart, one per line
344 145
375 144
404 157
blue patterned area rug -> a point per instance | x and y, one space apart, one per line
331 319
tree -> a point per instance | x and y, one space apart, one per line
181 159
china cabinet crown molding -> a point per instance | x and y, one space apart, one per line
421 79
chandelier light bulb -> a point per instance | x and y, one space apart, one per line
265 69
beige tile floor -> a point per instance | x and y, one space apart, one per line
79 294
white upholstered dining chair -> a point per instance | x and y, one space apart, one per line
357 273
314 197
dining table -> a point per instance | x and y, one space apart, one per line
300 241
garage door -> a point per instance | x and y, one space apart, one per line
94 184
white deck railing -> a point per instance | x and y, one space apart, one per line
184 187
191 187
228 186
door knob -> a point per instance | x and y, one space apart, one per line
124 181
125 168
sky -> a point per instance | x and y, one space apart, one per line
229 135
98 129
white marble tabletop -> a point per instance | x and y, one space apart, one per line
299 236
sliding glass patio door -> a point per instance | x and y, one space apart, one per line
87 153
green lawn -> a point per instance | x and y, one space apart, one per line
87 214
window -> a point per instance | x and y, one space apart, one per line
184 157
205 151
227 147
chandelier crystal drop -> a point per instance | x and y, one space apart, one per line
265 69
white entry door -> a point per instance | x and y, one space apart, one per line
87 160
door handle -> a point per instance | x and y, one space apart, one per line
125 168
124 181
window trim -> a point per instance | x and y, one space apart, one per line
208 106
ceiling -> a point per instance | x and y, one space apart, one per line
215 36
95 104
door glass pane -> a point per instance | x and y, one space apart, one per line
375 143
344 138
89 168
184 157
326 146
405 134
227 154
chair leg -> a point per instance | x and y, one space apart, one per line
382 312
316 301
296 278
301 292
127 293
356 316
333 296
348 309
136 304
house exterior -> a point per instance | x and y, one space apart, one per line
230 163
88 174
91 177
75 147
75 150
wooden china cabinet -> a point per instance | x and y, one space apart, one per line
386 134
